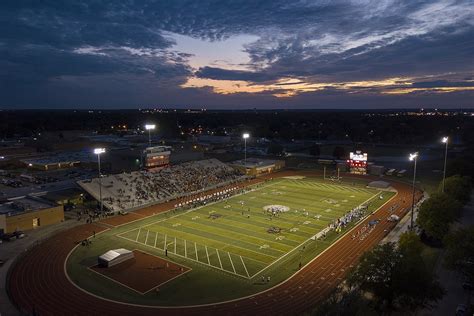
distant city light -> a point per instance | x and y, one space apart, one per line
99 151
150 126
246 135
445 139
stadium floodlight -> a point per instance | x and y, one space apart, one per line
413 157
446 141
149 128
245 136
98 152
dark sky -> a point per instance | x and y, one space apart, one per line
236 54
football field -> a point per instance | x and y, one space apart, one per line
249 232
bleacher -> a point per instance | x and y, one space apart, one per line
125 191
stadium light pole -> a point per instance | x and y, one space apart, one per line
149 127
413 157
446 141
98 152
245 136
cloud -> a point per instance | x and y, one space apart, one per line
275 47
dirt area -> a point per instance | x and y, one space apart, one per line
143 273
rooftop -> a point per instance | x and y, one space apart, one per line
23 205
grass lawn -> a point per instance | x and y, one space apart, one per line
227 243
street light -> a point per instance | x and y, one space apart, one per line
413 157
245 136
446 141
98 152
149 127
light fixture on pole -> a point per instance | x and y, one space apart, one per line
245 136
413 157
98 152
149 127
446 141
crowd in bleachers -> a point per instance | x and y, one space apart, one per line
128 190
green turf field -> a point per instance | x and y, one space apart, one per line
232 235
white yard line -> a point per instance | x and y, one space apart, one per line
185 249
231 263
218 256
196 249
146 238
156 237
207 253
244 267
138 235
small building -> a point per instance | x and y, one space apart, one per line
29 212
257 166
113 257
376 170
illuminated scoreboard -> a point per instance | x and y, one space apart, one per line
157 157
358 162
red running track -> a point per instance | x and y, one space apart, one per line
38 282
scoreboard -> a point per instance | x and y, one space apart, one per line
358 162
155 158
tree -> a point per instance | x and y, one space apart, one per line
339 152
458 187
437 213
342 302
460 252
375 273
397 277
314 150
414 283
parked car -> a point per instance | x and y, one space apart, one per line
19 234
